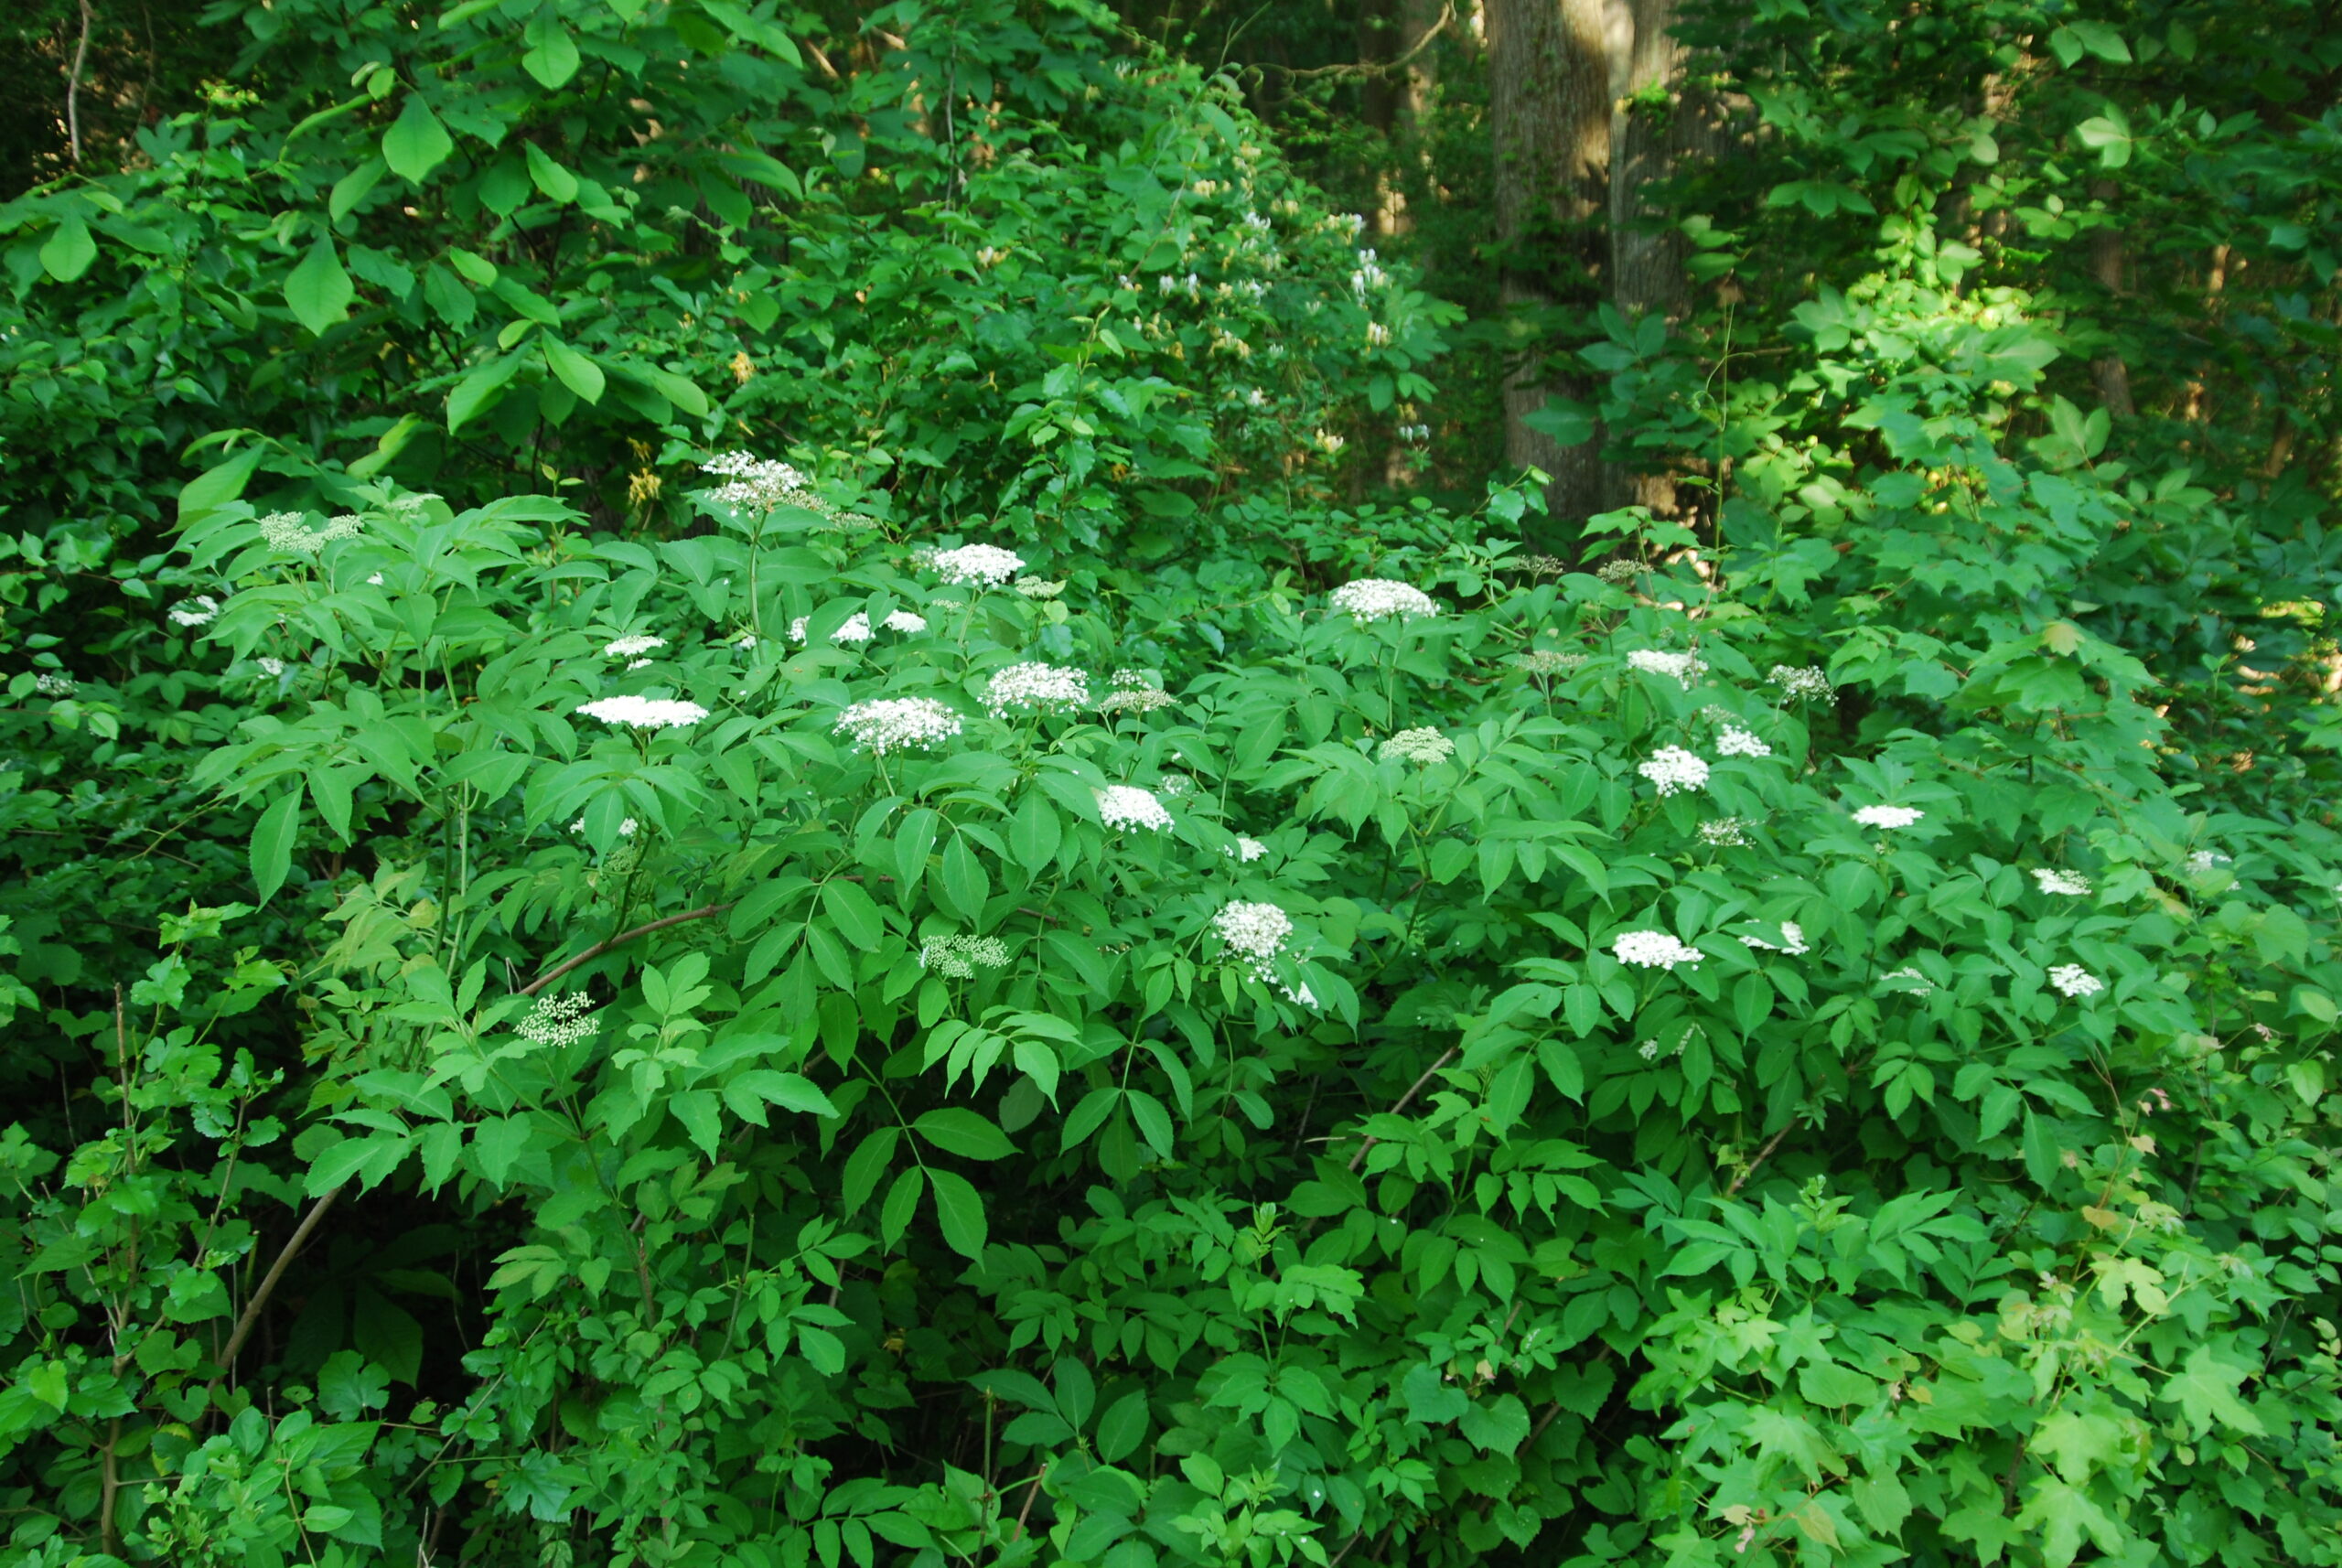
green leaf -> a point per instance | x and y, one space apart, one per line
273 839
1123 1427
2206 1391
1828 1383
902 1202
750 29
479 391
962 1132
747 1094
1498 1427
1431 1399
856 917
69 250
552 53
416 142
962 1212
2063 1514
318 290
1035 834
2108 134
869 1161
556 182
578 373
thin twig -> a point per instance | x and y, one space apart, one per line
73 87
1375 66
1030 1493
1404 1101
259 1302
599 949
1762 1156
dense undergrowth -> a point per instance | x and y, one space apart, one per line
752 823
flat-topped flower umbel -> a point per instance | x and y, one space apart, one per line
644 712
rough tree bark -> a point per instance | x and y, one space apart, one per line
2113 376
1550 105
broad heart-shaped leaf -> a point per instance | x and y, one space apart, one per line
416 142
272 846
552 53
1498 1427
961 1132
960 1211
69 250
1431 1399
318 290
578 373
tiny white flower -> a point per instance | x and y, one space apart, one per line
1887 816
1648 1050
1737 742
1725 832
1128 806
890 723
959 958
1423 745
1035 687
629 647
1809 681
374 580
978 564
626 828
2068 884
1792 941
50 683
1378 599
560 1020
2205 860
1675 770
271 668
1683 668
200 610
1653 949
2073 980
644 712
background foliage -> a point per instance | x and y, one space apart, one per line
1434 1120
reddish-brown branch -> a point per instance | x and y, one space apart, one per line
1762 1156
1404 1101
599 949
259 1302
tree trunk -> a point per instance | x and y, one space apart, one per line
2113 376
1549 93
1657 126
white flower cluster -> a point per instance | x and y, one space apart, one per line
983 565
1378 599
1653 949
1548 661
289 530
1415 434
1255 931
50 683
959 958
1792 939
271 668
1036 688
629 647
890 723
1887 816
760 484
200 610
1128 806
2073 980
1174 785
626 828
1736 742
1135 692
1685 668
1725 832
1033 587
1246 851
1675 770
2068 884
1807 680
1424 745
644 712
2206 860
560 1020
